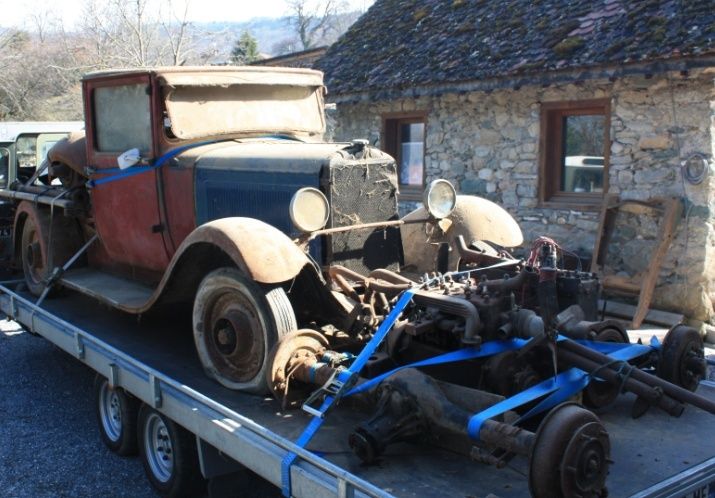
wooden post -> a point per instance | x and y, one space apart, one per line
666 232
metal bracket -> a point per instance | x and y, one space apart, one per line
155 386
345 489
113 377
79 343
57 272
334 387
13 308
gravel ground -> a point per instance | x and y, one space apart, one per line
49 441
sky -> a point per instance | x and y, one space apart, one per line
18 13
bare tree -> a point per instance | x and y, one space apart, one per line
314 20
137 33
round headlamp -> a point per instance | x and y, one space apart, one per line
309 209
440 198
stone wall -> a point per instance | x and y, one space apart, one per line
487 144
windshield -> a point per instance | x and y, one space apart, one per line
202 111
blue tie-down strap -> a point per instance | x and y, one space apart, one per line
485 350
338 385
118 173
556 389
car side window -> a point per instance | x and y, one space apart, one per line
122 118
4 164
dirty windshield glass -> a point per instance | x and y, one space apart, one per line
220 110
122 118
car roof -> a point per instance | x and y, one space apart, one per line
220 75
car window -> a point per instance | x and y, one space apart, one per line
122 118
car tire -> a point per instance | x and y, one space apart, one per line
34 261
237 322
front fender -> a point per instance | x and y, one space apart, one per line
261 251
474 218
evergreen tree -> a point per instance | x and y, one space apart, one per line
245 50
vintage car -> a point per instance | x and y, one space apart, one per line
23 146
212 188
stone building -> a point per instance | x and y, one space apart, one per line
544 106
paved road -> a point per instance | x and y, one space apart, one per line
49 441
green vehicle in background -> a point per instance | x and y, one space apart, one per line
23 147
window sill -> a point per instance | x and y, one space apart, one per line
573 202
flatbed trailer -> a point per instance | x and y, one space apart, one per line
154 360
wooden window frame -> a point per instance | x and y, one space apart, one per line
551 145
391 133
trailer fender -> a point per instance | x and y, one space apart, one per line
261 251
474 218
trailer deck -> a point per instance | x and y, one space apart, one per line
154 359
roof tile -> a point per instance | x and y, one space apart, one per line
401 43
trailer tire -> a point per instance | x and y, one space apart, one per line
169 456
237 322
116 417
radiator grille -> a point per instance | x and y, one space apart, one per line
363 191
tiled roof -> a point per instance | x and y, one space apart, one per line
404 43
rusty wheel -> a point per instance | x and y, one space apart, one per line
236 323
34 262
570 455
599 394
303 346
682 357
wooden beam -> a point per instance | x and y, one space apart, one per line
622 284
666 232
608 201
626 312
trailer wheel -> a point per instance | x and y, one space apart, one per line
34 262
570 455
168 453
682 357
116 417
236 324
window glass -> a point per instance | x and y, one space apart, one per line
582 163
574 151
4 163
122 118
412 136
26 152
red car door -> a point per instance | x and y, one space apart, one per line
126 210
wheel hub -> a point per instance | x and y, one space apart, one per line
235 337
588 450
570 455
159 450
225 336
110 413
295 347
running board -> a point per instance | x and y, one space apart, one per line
127 295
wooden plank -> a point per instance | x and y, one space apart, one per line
626 312
666 232
640 209
608 201
631 285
